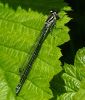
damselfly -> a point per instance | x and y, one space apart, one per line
49 24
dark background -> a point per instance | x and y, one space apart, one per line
77 30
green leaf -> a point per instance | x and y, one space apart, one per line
19 31
73 77
80 95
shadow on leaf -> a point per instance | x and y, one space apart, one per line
43 6
57 85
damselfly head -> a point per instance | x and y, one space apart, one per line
55 13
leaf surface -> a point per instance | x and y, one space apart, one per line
19 31
73 76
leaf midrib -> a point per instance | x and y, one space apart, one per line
17 22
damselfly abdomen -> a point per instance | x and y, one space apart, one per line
49 24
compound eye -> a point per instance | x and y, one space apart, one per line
51 11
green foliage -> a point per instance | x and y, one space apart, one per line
80 95
19 30
73 77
